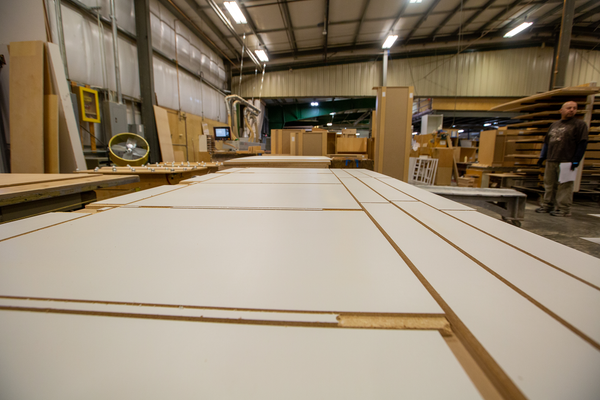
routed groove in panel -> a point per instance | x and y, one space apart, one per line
260 196
541 356
362 192
22 226
570 260
426 197
316 261
570 299
309 171
137 196
276 178
386 191
166 359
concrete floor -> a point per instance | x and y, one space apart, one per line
566 230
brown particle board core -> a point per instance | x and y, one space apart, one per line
425 322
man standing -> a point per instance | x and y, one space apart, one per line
565 143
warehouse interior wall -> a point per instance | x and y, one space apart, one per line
500 73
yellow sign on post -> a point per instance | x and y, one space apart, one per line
90 108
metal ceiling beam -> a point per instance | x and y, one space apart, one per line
252 26
326 30
402 8
499 16
423 18
287 21
586 15
549 13
202 15
474 16
519 20
231 29
579 9
362 19
444 22
192 26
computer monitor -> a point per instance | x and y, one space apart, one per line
222 133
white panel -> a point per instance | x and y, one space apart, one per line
15 228
74 357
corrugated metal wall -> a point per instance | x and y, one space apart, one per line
502 73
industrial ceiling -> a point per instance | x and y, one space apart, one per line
306 33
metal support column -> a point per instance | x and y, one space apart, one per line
562 58
385 65
144 51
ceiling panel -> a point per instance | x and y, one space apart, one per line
345 10
307 13
309 34
342 34
276 41
382 9
433 21
405 24
446 5
266 17
309 44
379 27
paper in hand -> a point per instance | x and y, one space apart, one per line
566 175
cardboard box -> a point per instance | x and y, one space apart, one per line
344 145
468 154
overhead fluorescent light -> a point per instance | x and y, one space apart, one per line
389 41
518 29
330 123
358 134
487 124
235 12
461 130
332 113
314 103
262 55
414 1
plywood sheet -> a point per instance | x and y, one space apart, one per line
257 196
164 134
7 180
362 192
137 196
524 340
27 107
424 196
71 151
200 178
362 171
278 158
15 228
385 190
566 258
51 149
570 299
328 278
277 178
231 361
341 174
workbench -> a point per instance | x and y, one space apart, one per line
509 203
279 161
23 195
367 287
150 176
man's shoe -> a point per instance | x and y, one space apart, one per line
543 210
559 213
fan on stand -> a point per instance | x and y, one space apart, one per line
128 149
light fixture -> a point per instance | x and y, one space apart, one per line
262 55
414 1
415 133
487 124
314 103
461 130
235 12
330 123
389 41
331 113
518 29
358 134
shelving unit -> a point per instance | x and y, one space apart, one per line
523 145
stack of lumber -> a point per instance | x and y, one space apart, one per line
370 288
521 143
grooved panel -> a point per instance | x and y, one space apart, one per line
68 355
524 340
259 196
318 261
15 228
424 196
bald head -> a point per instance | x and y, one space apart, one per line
568 110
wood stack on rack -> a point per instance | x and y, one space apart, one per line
522 142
